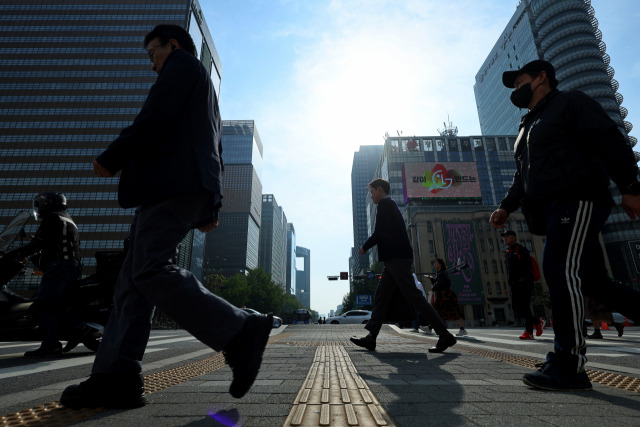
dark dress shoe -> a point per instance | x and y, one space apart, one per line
244 352
444 342
43 353
367 342
117 390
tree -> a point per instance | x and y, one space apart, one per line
362 287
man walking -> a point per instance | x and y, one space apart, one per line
520 278
567 151
395 251
171 173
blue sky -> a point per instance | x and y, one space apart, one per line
320 78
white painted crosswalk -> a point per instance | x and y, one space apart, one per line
71 361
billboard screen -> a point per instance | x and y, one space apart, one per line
460 247
441 181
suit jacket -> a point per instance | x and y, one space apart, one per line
173 147
390 234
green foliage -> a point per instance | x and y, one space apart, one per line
255 290
362 287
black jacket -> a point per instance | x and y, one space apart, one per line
173 147
567 149
519 265
441 282
390 234
57 238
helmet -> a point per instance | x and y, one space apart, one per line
48 202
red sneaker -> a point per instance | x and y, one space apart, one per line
539 327
526 336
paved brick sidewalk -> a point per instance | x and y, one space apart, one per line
415 388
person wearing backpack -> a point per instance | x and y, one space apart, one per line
520 272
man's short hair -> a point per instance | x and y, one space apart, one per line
381 183
166 32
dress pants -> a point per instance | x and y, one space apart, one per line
397 277
150 277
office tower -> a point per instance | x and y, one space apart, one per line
303 277
290 287
233 247
273 240
565 33
74 74
363 170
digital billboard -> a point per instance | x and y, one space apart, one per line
441 181
462 259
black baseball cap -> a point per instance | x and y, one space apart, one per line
508 233
533 67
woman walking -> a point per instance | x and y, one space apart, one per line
443 299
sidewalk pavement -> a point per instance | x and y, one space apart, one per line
412 387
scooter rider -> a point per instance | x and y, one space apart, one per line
56 246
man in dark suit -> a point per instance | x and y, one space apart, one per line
171 173
395 251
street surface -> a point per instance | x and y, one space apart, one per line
464 386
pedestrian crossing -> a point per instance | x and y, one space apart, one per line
156 343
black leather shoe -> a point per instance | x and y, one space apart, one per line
368 342
444 342
77 337
120 391
44 353
244 352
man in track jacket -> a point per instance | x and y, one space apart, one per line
566 152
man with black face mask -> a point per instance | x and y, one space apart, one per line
567 151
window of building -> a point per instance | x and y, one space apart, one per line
429 227
431 246
486 266
489 288
498 288
494 264
482 247
491 247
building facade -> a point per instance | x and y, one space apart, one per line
303 277
365 162
290 286
565 33
74 74
455 226
233 247
273 240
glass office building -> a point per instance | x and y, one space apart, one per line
290 285
303 277
363 170
233 247
73 74
273 240
565 33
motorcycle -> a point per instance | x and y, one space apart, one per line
88 300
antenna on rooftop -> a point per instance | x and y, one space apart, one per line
449 129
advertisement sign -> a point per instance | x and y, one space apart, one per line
460 247
441 181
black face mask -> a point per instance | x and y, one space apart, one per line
521 98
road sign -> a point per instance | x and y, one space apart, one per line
369 274
363 300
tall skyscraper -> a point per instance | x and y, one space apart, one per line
74 74
290 287
303 277
565 33
233 247
363 170
273 240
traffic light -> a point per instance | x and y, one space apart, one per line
344 275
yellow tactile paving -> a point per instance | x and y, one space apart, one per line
334 394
